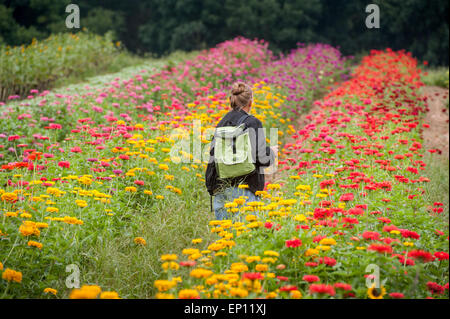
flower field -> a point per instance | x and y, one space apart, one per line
111 179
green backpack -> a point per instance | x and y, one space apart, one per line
233 150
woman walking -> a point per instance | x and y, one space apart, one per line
238 153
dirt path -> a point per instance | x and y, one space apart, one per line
436 136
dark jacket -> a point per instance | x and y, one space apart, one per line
262 156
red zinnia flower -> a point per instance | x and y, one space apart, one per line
435 288
347 197
282 278
441 255
322 289
76 149
189 263
253 275
397 295
311 264
64 164
293 243
343 286
355 211
288 288
424 256
311 278
380 248
327 261
371 235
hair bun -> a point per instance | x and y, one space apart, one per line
237 88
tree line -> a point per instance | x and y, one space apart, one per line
162 26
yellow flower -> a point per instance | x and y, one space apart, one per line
164 167
261 267
25 215
12 275
197 241
201 273
54 191
41 225
328 241
164 285
131 189
109 295
271 253
303 187
33 243
1 266
170 265
86 180
169 257
8 197
251 259
195 256
299 218
376 293
295 294
271 295
140 241
407 243
216 246
243 186
238 267
81 203
29 228
220 254
255 225
190 251
311 252
11 214
188 294
238 292
52 210
270 260
50 291
85 292
72 220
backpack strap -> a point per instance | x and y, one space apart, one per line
242 119
211 202
239 122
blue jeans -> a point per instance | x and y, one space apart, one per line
228 195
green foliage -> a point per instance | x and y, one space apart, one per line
59 59
436 77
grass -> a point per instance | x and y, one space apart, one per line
437 190
124 63
130 271
436 77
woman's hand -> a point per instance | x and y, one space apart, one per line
275 149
